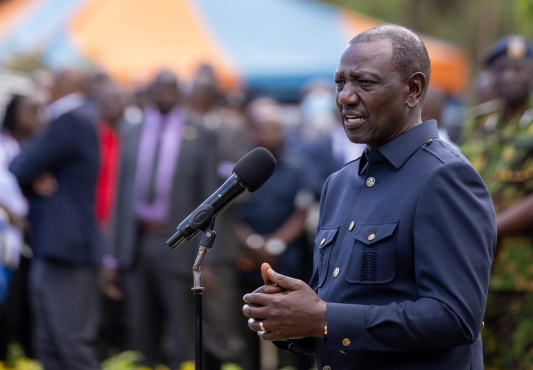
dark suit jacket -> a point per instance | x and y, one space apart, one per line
194 180
406 284
64 226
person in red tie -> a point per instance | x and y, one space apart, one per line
111 112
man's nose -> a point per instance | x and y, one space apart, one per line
348 96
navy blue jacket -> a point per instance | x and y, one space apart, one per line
402 257
64 226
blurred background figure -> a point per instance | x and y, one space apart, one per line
208 108
498 141
111 112
434 104
483 87
167 169
271 221
42 80
58 172
137 100
323 142
111 105
23 118
97 83
318 113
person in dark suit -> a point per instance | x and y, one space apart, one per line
67 249
270 222
406 233
168 168
207 108
110 102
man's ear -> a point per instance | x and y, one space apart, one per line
417 84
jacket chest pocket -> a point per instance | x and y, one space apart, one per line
372 260
325 239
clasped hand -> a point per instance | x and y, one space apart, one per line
287 308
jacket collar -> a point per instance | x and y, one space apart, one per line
398 150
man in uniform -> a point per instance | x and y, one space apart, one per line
405 237
498 140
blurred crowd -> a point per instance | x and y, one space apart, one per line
95 177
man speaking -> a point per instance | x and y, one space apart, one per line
405 238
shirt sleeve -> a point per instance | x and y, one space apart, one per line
454 241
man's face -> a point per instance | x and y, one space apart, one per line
203 96
165 95
370 95
512 78
269 134
113 106
29 115
267 125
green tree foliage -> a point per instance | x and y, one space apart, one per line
524 16
475 24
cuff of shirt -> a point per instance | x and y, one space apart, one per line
296 346
346 326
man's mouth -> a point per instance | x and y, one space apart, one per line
353 120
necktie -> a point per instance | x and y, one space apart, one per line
152 190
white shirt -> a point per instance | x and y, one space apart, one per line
11 238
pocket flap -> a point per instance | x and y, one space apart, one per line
373 232
326 236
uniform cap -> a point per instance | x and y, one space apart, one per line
512 47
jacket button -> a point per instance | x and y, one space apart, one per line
370 182
346 342
352 225
336 272
343 351
372 237
326 368
323 241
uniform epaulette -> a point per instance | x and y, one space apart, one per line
485 108
442 151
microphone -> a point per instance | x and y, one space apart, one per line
250 173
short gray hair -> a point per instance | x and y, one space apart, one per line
409 54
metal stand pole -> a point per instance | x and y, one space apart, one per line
205 245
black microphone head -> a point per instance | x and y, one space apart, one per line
255 168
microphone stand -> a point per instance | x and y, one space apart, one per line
202 220
205 246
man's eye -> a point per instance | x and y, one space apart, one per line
365 82
339 82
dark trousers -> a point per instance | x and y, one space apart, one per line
65 302
160 304
15 314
